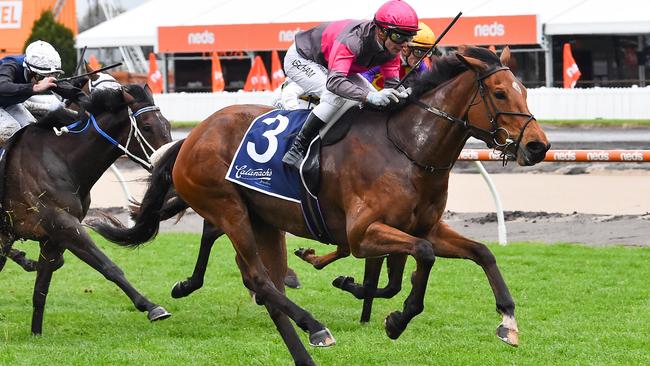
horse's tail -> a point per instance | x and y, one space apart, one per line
151 211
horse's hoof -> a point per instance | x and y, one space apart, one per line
30 266
341 281
158 313
322 338
179 290
302 252
392 324
292 282
510 336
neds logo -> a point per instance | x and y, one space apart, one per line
495 29
287 35
204 37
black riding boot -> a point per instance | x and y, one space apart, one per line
294 156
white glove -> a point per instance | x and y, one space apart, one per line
384 97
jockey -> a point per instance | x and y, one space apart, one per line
326 61
21 77
411 54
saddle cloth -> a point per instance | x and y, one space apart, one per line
257 164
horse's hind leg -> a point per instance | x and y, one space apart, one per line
50 259
73 237
381 239
273 250
321 261
232 216
193 283
450 244
395 265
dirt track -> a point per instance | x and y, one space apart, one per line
593 204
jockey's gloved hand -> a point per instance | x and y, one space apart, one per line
384 97
68 91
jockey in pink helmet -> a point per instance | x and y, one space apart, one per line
327 59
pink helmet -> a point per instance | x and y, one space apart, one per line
397 14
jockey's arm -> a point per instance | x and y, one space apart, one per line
339 64
7 85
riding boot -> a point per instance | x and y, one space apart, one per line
294 156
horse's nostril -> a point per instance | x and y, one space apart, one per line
537 147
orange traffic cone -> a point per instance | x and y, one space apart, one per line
277 74
155 79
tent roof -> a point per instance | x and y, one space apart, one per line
138 27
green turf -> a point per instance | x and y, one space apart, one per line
575 306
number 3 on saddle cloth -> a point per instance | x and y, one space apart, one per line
258 165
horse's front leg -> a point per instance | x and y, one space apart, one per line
449 244
74 238
50 259
195 282
380 239
21 259
319 262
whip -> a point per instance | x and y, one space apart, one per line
430 51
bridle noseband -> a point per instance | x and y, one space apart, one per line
490 137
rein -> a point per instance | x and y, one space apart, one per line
133 131
489 137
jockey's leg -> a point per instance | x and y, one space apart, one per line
8 125
20 114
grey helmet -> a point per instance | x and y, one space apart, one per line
41 58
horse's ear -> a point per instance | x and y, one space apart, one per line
471 63
128 98
92 77
505 56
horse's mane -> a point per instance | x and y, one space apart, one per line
448 67
101 101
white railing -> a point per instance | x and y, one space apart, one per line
544 103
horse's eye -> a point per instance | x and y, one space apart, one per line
500 95
146 128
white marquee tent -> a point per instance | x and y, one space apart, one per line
138 27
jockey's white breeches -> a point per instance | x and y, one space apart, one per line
312 78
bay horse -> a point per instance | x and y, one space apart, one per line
383 188
48 175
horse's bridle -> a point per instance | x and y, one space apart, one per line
490 137
133 131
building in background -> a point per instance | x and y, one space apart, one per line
610 43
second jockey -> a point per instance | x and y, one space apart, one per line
326 61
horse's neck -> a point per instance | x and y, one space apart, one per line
91 154
431 140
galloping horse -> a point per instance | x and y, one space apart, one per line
383 187
48 176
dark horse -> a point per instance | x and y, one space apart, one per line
47 182
383 188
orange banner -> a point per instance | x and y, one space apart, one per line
155 79
258 78
497 30
570 71
277 74
218 83
17 18
93 63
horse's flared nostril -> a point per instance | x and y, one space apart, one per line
537 150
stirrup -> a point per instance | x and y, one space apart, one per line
293 157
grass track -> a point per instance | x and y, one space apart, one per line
575 305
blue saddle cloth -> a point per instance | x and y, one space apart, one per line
258 161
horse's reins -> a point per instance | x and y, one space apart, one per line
133 131
489 137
